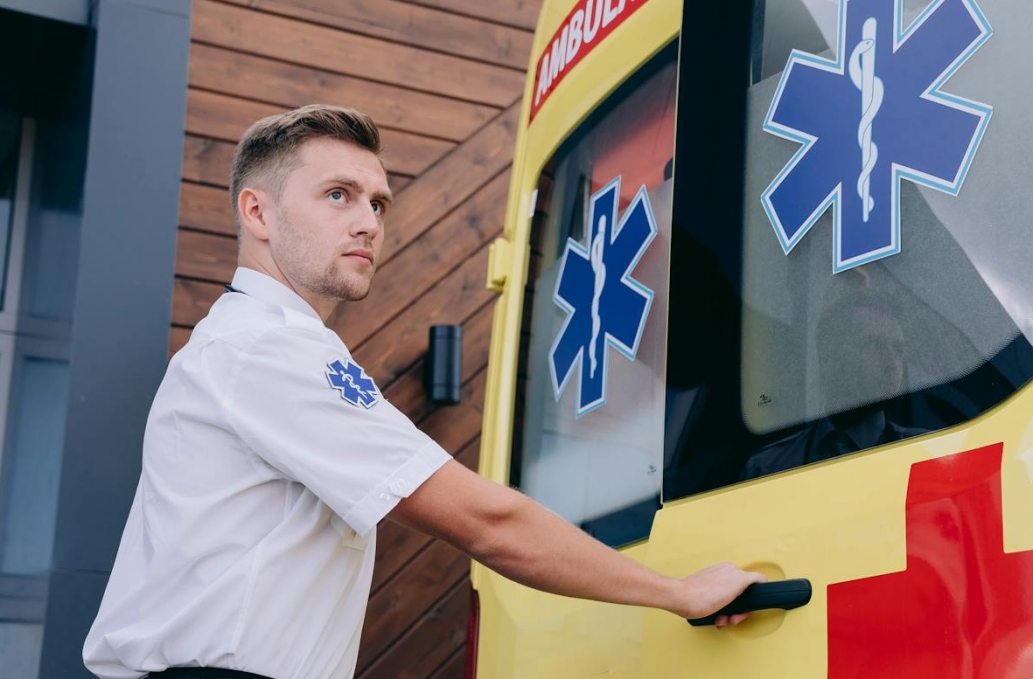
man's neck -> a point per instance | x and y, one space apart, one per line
865 432
322 305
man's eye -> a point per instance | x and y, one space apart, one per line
336 195
378 208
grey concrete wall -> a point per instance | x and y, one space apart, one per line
122 299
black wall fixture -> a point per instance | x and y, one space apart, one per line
442 367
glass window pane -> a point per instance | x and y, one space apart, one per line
20 647
10 147
32 464
803 364
593 454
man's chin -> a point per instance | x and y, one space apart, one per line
355 292
347 286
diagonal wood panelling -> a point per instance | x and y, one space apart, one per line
443 80
217 116
412 25
348 53
518 13
275 82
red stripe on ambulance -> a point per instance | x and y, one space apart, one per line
586 26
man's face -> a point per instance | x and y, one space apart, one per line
867 362
328 230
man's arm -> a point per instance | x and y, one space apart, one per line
513 535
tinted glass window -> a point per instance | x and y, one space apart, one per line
595 457
10 146
783 362
34 387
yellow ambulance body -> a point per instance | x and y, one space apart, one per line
767 297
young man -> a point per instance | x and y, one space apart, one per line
270 457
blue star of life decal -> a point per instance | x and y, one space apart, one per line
872 118
605 306
355 385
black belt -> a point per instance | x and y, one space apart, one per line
203 673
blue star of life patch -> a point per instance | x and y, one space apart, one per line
356 387
605 306
871 118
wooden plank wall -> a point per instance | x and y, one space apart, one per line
443 79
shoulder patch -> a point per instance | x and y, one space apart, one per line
356 387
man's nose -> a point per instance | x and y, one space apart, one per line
367 222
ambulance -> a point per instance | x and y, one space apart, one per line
767 297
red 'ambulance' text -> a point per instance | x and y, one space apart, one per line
585 27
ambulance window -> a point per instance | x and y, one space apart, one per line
781 362
594 458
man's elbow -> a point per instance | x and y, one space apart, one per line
494 533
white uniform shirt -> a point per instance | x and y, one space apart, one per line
268 459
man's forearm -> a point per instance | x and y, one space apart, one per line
522 540
534 547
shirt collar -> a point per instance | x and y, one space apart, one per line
268 289
872 433
822 428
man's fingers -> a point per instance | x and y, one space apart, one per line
756 577
737 618
723 621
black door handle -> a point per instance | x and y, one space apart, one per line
786 594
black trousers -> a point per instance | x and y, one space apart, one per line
203 673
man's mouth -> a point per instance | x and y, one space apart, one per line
361 253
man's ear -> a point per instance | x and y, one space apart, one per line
254 207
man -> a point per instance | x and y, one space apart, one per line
269 456
860 346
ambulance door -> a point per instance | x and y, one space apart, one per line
849 338
589 409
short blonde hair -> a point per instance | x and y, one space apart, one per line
267 151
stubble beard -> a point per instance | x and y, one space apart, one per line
332 282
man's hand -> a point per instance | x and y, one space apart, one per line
707 591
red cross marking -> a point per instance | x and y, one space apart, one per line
962 609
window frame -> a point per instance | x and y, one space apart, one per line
607 527
720 184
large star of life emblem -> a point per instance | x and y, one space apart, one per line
872 118
356 387
605 306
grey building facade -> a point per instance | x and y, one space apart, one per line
92 112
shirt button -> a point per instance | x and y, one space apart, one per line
399 485
385 497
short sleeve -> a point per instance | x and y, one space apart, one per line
302 405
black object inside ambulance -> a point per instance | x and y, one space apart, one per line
787 594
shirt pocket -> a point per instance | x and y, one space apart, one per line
348 536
